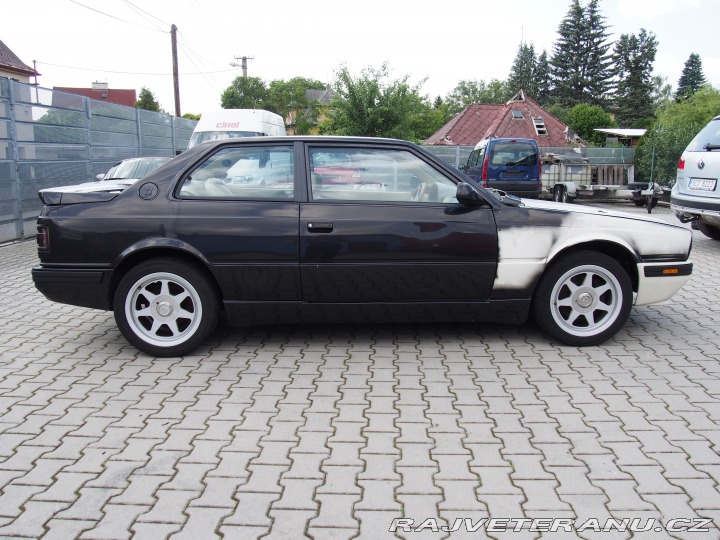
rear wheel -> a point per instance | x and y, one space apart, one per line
166 307
583 299
710 231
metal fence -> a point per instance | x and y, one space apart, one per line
50 138
457 155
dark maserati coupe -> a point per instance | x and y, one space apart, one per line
282 229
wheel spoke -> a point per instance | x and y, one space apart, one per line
144 312
146 293
603 289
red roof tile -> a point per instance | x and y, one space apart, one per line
10 62
478 122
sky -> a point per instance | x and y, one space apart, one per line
126 43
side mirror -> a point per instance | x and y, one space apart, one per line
468 195
99 176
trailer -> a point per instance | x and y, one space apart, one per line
571 176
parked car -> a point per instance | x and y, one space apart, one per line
172 252
510 165
695 197
133 168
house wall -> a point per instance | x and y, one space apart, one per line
14 75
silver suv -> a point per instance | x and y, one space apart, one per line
696 194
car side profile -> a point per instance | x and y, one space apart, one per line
409 239
695 197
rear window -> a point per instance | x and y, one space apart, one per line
513 153
709 135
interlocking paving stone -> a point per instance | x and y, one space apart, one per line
332 431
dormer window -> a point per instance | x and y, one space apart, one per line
539 124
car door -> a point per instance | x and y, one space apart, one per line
395 235
236 207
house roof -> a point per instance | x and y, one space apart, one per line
324 96
516 119
10 62
119 96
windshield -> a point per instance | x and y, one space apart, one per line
708 137
204 136
514 153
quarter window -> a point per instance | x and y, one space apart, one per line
247 172
362 174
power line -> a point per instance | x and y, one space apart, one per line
146 12
139 10
131 72
117 18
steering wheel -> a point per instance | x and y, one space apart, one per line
419 192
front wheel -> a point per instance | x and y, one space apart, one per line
166 307
583 299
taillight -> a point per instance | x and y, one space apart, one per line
681 163
484 176
43 238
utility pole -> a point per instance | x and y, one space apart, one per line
176 79
243 65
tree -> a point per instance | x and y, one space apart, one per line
543 82
662 93
470 92
245 93
191 116
583 119
692 78
657 155
523 72
580 64
633 58
289 99
146 100
372 105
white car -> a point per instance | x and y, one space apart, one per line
696 194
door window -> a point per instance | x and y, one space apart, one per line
377 175
243 172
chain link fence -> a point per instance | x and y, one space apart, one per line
50 138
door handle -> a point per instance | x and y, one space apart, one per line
320 227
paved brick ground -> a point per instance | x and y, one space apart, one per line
334 431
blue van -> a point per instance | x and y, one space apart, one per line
510 165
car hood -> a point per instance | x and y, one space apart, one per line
589 210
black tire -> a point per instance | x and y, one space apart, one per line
583 299
639 202
166 307
711 231
560 194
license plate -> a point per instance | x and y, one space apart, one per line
702 184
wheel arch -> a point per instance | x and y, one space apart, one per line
152 249
622 254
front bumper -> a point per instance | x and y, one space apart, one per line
75 286
658 282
